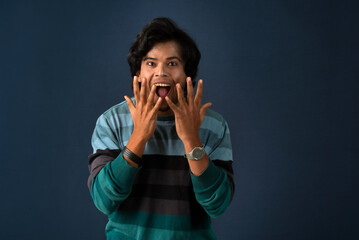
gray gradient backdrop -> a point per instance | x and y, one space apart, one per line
283 73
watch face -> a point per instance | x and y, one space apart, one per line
198 153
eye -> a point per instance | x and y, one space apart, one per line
172 64
149 63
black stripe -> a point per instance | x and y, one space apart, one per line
163 206
164 177
163 192
164 162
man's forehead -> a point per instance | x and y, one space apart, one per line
167 49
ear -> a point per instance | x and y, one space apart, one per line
137 75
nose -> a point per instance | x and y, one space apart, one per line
161 70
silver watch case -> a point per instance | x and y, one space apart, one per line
197 153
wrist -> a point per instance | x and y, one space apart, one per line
192 143
137 144
139 137
129 155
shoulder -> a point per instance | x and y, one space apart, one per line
210 113
117 110
215 136
116 117
213 121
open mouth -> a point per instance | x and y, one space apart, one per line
162 89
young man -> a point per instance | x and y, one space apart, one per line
162 163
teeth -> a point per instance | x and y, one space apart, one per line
162 85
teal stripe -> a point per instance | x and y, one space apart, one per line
209 122
214 114
99 197
116 127
107 189
115 235
224 154
158 234
173 147
214 139
159 221
121 107
103 144
215 196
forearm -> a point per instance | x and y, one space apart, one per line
144 117
113 184
136 145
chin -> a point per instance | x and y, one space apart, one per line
164 107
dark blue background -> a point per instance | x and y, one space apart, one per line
283 73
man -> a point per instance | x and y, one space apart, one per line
162 163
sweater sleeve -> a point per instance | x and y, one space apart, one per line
214 188
113 184
111 177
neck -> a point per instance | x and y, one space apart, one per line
165 112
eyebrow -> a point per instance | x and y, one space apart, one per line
169 58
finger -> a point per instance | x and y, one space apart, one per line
203 110
151 97
180 96
190 94
157 106
143 91
171 105
198 98
136 89
130 104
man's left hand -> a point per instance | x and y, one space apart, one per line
189 114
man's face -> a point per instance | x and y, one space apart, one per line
164 67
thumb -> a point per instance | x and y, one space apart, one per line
203 110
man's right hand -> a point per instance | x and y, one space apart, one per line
144 116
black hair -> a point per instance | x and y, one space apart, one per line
161 30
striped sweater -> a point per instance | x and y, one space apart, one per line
162 199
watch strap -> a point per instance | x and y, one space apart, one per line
130 155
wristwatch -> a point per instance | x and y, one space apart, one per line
197 153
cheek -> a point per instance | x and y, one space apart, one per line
147 87
146 74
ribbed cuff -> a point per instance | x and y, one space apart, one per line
207 179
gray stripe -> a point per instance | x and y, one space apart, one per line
96 166
164 177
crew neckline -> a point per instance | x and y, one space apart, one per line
166 118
